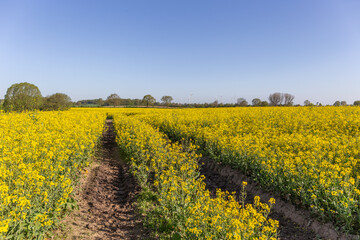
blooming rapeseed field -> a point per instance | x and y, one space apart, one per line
183 205
310 155
41 154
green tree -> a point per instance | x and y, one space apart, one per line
242 102
337 103
113 100
357 103
167 100
99 101
22 97
308 103
148 100
57 101
264 104
256 102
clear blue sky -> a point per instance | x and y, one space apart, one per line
211 49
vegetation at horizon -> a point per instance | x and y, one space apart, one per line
27 97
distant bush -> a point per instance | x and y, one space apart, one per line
57 101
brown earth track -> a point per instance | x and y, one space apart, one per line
106 209
294 222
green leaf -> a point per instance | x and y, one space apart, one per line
176 236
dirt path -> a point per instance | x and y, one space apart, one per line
106 199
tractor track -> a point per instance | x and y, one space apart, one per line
105 198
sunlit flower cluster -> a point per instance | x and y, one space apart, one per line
41 154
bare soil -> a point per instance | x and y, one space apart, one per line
105 199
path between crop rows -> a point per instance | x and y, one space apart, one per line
105 199
107 194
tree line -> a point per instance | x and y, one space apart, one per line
274 99
27 97
114 100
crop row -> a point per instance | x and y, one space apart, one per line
309 155
41 155
179 205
